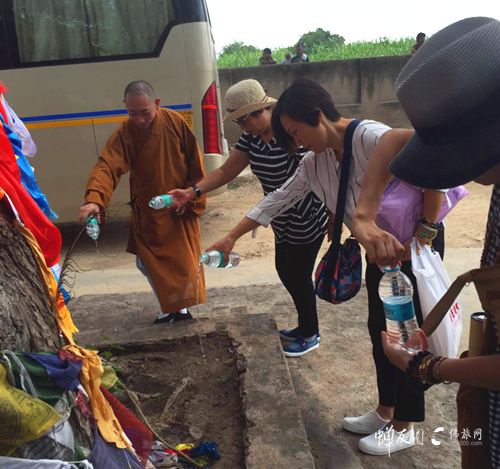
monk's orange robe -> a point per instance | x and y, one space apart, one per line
167 158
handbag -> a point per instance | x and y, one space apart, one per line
472 401
402 203
338 275
432 284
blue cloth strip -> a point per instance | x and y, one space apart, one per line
63 373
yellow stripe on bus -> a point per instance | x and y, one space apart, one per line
188 117
49 125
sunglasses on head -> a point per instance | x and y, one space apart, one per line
241 120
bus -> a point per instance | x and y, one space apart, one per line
67 62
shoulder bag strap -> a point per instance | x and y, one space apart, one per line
331 263
486 280
439 311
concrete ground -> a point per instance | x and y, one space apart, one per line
335 381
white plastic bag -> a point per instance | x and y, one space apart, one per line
432 283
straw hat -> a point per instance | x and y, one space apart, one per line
450 91
245 97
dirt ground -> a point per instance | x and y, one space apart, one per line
208 406
465 225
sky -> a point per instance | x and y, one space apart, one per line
276 23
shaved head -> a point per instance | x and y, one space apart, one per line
140 88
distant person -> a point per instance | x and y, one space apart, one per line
300 56
157 148
267 58
288 58
420 41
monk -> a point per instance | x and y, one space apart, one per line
159 150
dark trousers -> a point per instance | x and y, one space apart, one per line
295 264
409 405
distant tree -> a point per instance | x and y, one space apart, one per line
320 37
238 46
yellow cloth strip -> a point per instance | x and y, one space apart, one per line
61 313
24 418
90 378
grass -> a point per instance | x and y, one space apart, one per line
354 50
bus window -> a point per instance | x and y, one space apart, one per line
61 30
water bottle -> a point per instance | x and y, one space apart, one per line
215 259
162 201
396 292
92 227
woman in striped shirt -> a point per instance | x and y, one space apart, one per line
300 229
305 116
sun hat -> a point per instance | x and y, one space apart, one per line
245 97
450 91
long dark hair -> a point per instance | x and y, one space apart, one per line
302 101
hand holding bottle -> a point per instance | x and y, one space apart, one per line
224 245
88 210
182 196
398 355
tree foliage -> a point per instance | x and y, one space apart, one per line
238 47
320 37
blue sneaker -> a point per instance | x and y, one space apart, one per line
300 347
289 335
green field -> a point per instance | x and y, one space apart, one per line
354 50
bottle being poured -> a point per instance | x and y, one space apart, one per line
92 227
216 259
162 201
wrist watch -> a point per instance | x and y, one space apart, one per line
196 191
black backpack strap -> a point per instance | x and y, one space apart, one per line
331 263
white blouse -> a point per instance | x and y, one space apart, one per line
320 174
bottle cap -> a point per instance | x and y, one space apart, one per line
203 258
388 268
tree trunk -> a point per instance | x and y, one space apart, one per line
27 321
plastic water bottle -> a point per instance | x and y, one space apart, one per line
92 227
396 292
215 259
162 201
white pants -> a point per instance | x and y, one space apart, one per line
142 267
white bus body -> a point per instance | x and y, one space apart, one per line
72 103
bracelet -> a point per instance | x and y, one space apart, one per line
438 371
412 372
196 191
425 370
425 234
429 224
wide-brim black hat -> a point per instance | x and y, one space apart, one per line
450 91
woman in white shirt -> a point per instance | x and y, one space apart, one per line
305 116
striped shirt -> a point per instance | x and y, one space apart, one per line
321 174
301 222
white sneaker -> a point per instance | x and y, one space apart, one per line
387 441
364 425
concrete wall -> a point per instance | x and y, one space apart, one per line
361 88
